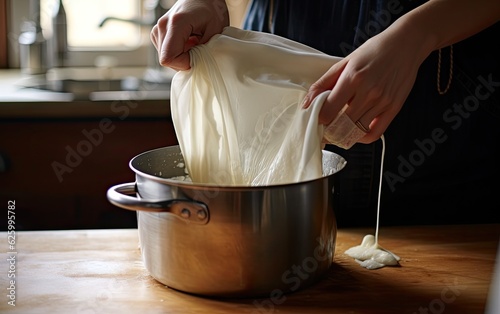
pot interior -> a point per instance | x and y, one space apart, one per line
167 165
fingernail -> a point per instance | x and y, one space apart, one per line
305 102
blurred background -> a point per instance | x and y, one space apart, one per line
81 94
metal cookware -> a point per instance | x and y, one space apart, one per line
230 241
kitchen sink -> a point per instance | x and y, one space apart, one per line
97 83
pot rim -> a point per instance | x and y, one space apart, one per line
340 165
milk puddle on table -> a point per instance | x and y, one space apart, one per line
369 253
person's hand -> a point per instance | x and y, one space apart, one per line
374 80
186 24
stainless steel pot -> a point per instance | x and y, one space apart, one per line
230 241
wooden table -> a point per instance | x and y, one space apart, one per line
444 269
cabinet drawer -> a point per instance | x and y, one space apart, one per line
58 171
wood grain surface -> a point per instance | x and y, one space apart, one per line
444 269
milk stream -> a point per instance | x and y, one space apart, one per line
369 253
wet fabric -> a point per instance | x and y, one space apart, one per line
237 112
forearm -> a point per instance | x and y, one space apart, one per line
440 23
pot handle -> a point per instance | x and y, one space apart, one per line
188 210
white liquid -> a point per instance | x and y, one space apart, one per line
369 254
185 178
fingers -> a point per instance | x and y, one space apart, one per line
342 93
364 107
153 36
371 114
168 43
186 24
377 127
176 40
324 83
367 107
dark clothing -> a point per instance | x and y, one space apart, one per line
334 27
440 165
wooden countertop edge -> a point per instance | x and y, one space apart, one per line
100 271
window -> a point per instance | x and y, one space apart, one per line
127 42
84 19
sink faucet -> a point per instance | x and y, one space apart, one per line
154 10
134 21
59 40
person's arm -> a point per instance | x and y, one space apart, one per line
376 78
445 22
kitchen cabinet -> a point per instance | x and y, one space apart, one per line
58 155
58 169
